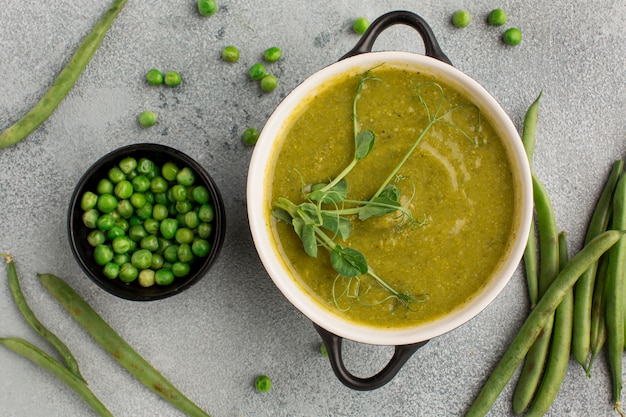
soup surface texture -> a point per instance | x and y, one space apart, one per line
458 187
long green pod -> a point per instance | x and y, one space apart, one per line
537 318
534 364
598 310
117 347
20 301
583 292
616 275
65 80
530 252
556 365
39 357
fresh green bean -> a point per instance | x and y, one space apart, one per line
64 82
39 357
556 365
615 294
548 269
537 318
33 321
598 309
530 252
117 347
583 292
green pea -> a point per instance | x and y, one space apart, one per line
205 230
168 228
163 244
159 212
184 235
157 262
90 217
123 189
207 7
144 212
170 254
96 237
88 201
102 254
111 270
122 224
169 171
272 54
105 222
134 220
179 192
128 273
183 207
230 54
147 118
146 278
263 383
121 244
154 77
106 203
125 209
184 252
138 200
257 71
206 213
200 194
163 277
512 36
250 136
191 220
172 79
461 18
161 198
186 177
149 197
158 185
156 172
200 247
105 186
151 225
128 165
137 232
269 83
121 258
180 269
360 25
149 242
497 17
141 259
145 166
141 183
116 175
115 231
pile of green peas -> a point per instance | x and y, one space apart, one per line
148 223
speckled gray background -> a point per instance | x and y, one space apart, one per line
213 340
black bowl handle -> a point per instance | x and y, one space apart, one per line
404 17
401 354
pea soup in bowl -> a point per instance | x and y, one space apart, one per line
389 198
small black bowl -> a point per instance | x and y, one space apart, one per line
83 252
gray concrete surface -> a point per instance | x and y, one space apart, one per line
213 340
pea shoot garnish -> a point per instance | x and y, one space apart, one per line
326 214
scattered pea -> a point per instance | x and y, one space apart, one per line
154 77
257 71
497 17
272 54
461 18
172 79
512 36
207 7
147 118
230 54
250 136
269 83
360 25
263 383
323 349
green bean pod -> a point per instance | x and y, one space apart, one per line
117 347
614 294
556 365
39 357
583 292
548 269
33 321
537 318
598 309
65 80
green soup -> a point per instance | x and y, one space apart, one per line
458 187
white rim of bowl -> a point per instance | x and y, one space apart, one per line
259 172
